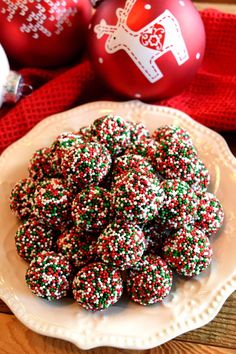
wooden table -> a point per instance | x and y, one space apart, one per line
219 336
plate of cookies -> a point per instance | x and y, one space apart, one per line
117 225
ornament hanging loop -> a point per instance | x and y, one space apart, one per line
25 89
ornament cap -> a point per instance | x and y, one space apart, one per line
95 3
12 89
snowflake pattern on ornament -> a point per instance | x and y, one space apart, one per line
33 21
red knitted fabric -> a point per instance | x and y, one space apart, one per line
210 99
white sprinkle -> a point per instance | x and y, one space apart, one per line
147 7
181 3
198 56
100 60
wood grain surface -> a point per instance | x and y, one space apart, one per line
16 338
219 336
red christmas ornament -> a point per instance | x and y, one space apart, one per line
43 33
147 49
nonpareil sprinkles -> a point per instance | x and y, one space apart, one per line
188 251
112 206
49 275
97 286
121 244
22 198
32 237
91 210
78 246
87 164
150 282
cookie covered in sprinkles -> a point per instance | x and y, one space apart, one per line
210 214
174 164
77 246
67 140
52 203
63 143
137 198
87 164
178 157
188 251
33 237
44 164
151 282
113 132
22 197
97 286
49 275
91 209
121 245
180 204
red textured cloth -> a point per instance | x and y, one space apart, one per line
210 99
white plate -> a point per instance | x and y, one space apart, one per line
191 303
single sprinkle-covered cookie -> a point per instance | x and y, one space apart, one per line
64 143
210 214
87 164
91 209
121 244
77 246
151 282
44 164
97 286
180 204
52 203
22 198
112 131
49 275
33 237
188 251
137 198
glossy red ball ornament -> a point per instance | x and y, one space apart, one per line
43 33
146 49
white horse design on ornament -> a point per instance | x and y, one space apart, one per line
148 44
